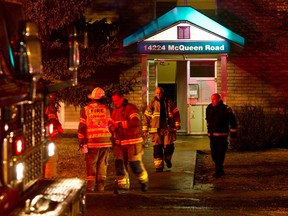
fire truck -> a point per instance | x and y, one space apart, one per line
25 147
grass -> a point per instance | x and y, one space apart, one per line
71 162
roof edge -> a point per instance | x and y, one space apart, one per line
183 13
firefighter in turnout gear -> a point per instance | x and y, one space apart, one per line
162 120
55 129
220 122
128 146
51 113
93 133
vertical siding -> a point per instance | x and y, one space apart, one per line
71 117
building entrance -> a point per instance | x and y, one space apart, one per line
201 84
189 84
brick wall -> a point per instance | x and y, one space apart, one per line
134 68
258 74
133 14
135 96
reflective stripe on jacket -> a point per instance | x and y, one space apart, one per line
93 127
151 118
220 120
128 119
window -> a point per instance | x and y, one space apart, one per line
183 32
202 69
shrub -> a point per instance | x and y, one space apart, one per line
258 129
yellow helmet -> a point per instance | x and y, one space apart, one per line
97 93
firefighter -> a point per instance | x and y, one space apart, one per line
51 113
94 134
220 121
50 168
129 144
162 120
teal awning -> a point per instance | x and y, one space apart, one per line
183 14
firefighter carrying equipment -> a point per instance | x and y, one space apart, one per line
97 93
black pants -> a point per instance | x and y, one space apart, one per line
218 146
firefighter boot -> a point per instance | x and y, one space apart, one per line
158 157
144 186
168 163
122 182
141 173
121 186
168 152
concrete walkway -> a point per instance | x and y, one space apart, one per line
179 178
243 190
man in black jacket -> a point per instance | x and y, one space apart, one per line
220 121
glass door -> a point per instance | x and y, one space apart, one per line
201 85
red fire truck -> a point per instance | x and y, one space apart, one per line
25 146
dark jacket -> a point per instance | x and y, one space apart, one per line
220 120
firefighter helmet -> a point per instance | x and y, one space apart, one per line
97 93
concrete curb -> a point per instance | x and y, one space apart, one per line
194 164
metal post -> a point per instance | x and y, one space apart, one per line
223 77
74 57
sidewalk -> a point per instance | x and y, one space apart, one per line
252 177
179 178
255 183
248 171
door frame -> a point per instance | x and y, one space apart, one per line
202 104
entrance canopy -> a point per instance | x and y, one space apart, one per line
183 30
